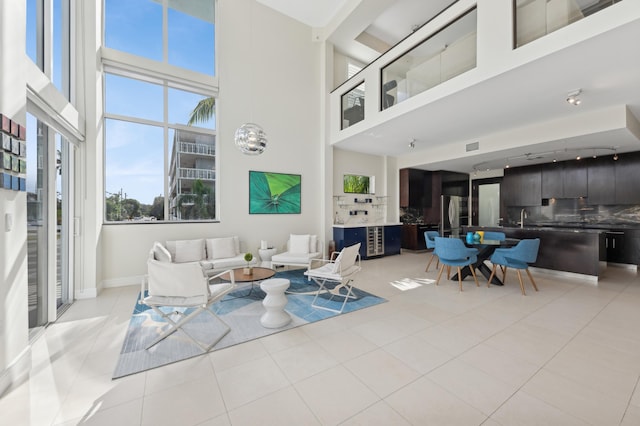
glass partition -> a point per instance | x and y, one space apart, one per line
353 106
444 55
536 18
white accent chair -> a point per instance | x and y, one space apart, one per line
301 250
338 271
186 289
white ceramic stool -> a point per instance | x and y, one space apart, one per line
274 303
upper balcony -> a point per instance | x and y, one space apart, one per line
458 77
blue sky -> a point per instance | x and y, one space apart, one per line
134 153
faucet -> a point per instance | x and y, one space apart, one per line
523 215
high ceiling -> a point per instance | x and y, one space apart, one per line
603 67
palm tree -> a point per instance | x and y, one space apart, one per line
200 204
203 111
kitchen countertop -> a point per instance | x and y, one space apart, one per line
555 229
364 224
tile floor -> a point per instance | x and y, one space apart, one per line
567 355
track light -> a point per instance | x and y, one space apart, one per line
412 143
573 97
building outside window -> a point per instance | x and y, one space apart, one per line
160 164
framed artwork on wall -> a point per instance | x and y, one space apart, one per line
274 193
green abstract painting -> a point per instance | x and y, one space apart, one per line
274 193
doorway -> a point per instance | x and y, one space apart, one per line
49 231
486 202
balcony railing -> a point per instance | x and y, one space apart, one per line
431 62
201 174
196 148
537 18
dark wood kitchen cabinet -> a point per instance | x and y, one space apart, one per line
551 180
627 171
415 188
601 181
523 186
614 243
566 179
574 179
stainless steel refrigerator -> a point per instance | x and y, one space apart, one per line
454 213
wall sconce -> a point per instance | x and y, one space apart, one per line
573 97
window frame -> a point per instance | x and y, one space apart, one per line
166 127
128 65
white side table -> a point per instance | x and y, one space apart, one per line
266 255
274 303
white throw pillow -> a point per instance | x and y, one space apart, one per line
189 251
347 258
221 248
299 244
313 243
160 253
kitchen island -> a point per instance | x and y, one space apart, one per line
579 251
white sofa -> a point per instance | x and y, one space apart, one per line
301 250
213 254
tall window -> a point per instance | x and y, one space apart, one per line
156 166
186 38
160 163
51 54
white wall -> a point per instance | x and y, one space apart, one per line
383 169
15 356
268 77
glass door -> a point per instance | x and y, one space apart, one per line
37 224
64 225
49 226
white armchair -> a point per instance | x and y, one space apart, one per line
186 289
301 250
338 271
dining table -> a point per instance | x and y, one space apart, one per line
485 250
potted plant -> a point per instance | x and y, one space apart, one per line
248 270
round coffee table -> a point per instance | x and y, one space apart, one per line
259 274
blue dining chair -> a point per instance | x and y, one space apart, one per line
453 252
430 239
494 235
518 257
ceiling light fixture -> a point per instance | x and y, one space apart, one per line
615 156
412 143
573 97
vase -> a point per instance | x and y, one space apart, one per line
248 270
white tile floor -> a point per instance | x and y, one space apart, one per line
567 355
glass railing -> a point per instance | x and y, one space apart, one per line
444 55
537 18
353 106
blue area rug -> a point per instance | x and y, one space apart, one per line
240 309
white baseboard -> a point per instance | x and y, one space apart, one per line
17 371
122 282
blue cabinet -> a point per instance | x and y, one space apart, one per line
392 239
345 237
